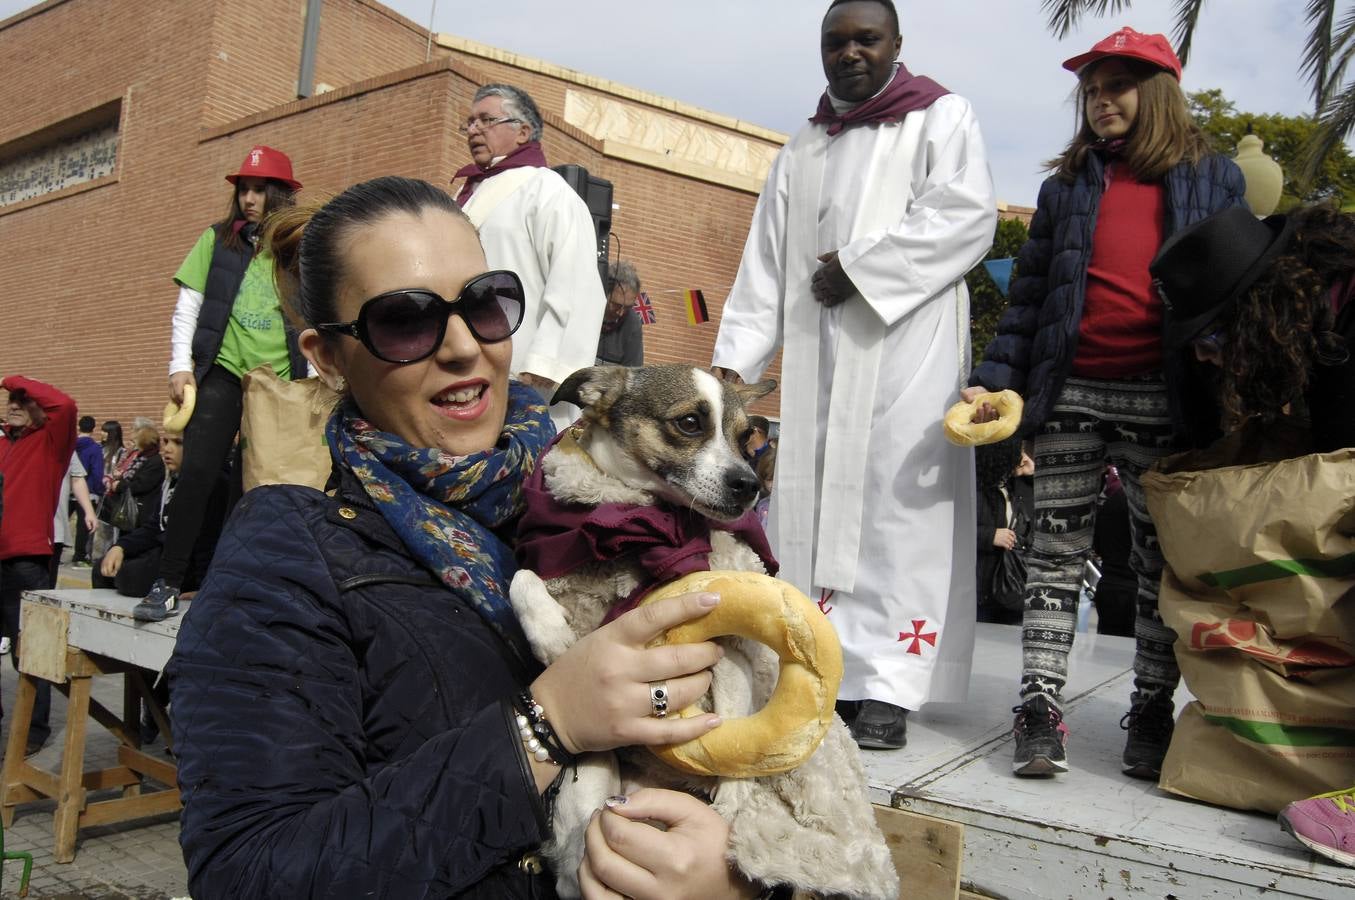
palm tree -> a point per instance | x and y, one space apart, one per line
1326 55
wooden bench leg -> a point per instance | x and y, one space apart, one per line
20 719
71 799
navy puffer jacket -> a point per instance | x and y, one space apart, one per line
341 719
1037 335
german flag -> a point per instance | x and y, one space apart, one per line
696 307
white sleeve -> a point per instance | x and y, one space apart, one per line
565 242
945 231
184 323
750 325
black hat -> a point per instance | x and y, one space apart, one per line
1202 270
760 423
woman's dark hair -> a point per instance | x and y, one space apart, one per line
113 435
277 197
1282 326
993 463
305 241
1163 134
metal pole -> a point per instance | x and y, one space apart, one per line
432 13
305 82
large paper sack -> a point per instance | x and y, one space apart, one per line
282 430
1259 585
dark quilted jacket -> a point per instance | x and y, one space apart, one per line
1037 335
340 718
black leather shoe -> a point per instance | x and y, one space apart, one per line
847 710
880 726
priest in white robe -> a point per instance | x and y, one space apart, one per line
533 223
855 260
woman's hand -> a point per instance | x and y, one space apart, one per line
986 412
1004 538
626 856
177 381
597 695
112 562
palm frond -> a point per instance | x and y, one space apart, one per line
1335 124
1340 53
1315 63
1187 16
1063 16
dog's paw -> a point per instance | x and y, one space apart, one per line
543 620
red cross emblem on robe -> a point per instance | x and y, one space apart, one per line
916 637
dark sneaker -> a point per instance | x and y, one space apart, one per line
34 745
159 604
880 726
1041 737
1325 824
1150 723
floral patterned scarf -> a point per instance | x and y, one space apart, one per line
448 510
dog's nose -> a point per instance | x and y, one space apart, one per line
742 484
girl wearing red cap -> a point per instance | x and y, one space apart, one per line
1082 343
228 320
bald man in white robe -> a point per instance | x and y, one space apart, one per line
870 218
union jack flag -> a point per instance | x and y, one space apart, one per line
645 309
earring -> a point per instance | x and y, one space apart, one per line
340 384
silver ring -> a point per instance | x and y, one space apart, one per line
658 698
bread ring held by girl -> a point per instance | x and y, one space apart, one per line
960 429
176 415
788 730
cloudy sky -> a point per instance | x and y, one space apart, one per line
758 60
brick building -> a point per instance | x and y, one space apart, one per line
123 116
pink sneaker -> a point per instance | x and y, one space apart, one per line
1325 824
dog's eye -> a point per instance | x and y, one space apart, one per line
689 424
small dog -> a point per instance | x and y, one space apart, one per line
665 441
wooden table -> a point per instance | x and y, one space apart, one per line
69 637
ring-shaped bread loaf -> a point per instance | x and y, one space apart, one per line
176 415
790 727
960 430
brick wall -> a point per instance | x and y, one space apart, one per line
87 276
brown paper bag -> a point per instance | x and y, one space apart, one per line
282 430
1259 582
1211 763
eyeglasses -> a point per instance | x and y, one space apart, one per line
407 326
483 124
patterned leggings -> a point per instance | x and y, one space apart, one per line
1094 421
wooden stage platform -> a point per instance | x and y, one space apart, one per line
1094 832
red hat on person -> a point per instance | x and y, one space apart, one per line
265 162
1150 48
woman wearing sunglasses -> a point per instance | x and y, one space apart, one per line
356 711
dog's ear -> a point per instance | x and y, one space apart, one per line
594 388
747 393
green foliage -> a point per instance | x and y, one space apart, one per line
1286 139
986 303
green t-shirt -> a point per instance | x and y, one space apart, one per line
255 335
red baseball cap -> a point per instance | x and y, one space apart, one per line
1151 48
265 162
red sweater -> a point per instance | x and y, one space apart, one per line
34 463
1120 334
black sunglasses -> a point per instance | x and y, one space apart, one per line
407 326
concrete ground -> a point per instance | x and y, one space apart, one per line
137 860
